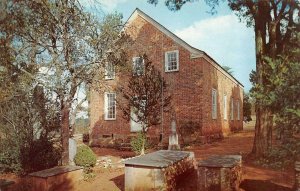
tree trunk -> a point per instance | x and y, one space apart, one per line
260 144
65 134
144 135
263 132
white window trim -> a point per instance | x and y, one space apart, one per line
232 109
238 109
214 108
106 107
225 106
106 77
133 61
166 60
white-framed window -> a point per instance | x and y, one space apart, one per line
109 106
138 66
214 104
225 106
109 71
238 109
172 61
232 109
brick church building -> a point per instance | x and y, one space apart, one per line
203 93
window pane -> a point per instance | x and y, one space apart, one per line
238 109
109 71
172 61
214 104
138 66
225 107
111 106
232 108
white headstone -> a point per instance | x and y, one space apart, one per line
173 126
173 137
72 150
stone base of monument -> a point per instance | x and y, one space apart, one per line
54 178
158 170
220 173
173 142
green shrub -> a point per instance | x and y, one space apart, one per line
276 158
137 143
89 174
28 157
45 155
85 157
9 157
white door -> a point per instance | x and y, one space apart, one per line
134 126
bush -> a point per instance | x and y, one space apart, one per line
137 143
9 157
85 157
276 158
40 155
28 157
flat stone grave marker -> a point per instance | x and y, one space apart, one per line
53 178
158 170
220 173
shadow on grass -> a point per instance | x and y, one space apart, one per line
119 181
262 185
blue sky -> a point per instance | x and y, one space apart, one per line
221 35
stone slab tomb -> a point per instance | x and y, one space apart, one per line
220 173
53 178
158 170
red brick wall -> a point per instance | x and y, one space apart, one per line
215 78
190 87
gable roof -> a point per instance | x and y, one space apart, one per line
195 53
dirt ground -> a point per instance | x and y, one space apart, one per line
112 178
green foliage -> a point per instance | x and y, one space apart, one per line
139 142
28 119
276 158
280 93
9 157
85 156
59 46
228 69
88 174
144 94
45 155
247 107
21 154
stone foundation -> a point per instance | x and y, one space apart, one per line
220 173
157 171
54 178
